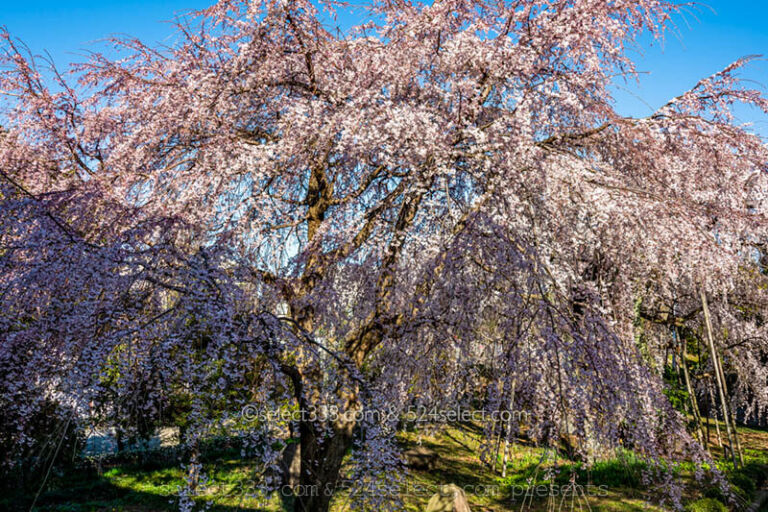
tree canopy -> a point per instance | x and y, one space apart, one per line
271 212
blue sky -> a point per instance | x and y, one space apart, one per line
707 39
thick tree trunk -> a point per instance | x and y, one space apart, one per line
321 457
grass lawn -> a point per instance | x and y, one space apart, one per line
532 473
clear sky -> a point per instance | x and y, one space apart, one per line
707 39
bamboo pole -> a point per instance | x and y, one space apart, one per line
729 412
713 406
719 379
509 430
689 388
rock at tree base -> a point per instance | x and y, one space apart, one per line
451 498
420 458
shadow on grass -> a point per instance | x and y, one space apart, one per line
457 464
102 494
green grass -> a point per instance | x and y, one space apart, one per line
706 505
151 485
131 487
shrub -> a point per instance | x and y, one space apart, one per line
706 505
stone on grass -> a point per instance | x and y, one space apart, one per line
420 458
451 498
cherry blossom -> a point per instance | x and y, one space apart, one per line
437 205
